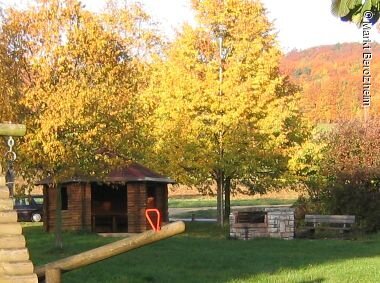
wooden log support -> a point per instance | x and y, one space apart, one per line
14 255
15 265
10 228
4 191
9 216
15 130
6 204
12 241
53 275
112 249
16 268
30 278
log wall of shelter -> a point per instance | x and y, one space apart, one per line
45 216
162 200
136 207
78 213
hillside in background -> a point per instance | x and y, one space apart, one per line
331 80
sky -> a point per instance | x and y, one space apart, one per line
300 24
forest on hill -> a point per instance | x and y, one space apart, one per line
330 78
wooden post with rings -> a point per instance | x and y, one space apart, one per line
15 265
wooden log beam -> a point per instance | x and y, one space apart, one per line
112 249
6 204
12 241
8 216
4 191
14 255
31 278
16 268
10 228
15 130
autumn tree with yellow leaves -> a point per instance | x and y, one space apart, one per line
12 71
238 132
97 88
85 72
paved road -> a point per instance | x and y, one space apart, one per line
173 212
176 211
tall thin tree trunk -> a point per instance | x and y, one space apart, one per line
227 198
219 198
58 218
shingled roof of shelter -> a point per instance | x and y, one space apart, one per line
137 172
134 172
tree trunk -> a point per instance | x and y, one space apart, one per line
227 198
219 198
58 218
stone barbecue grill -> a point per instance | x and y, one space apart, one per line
262 222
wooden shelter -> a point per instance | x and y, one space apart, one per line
115 205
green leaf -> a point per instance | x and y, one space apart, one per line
357 19
366 6
340 8
351 4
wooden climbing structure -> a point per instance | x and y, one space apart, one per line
15 265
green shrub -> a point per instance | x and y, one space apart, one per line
362 200
348 180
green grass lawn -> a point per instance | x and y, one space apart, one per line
203 254
201 202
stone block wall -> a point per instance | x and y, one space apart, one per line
278 223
